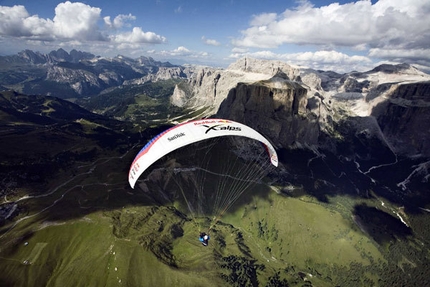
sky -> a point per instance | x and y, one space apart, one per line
342 36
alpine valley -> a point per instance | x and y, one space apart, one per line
348 205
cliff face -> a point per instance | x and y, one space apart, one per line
209 87
161 73
276 107
404 118
387 106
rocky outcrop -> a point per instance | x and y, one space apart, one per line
208 87
162 73
395 98
179 97
81 81
32 57
304 107
404 118
277 107
251 65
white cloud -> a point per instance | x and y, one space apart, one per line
178 10
15 21
119 21
181 53
239 50
400 53
72 22
263 19
387 23
210 42
138 36
77 21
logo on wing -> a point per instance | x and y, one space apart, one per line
176 136
220 127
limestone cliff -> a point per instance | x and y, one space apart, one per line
208 87
161 73
404 118
277 107
387 105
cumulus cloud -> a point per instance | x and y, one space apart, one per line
393 53
72 22
324 60
16 21
119 21
138 36
388 25
210 42
237 50
77 21
180 53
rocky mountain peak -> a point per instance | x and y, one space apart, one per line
77 56
277 107
303 107
59 55
268 67
32 57
209 87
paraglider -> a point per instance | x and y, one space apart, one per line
204 238
188 133
230 186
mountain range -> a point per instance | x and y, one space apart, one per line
78 74
381 94
357 144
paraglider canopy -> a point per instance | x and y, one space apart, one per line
188 133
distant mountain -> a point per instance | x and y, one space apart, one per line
294 106
79 74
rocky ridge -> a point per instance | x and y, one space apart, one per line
80 74
293 105
301 107
209 86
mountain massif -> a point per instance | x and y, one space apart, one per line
354 160
78 74
291 104
303 106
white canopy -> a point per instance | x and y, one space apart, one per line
191 132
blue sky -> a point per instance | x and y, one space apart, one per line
341 36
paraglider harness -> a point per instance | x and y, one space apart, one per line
204 238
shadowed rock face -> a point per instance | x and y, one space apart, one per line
405 118
295 110
276 106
